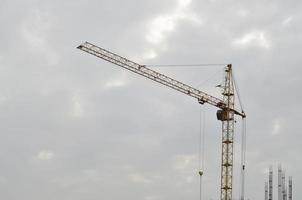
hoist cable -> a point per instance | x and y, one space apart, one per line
200 188
201 149
243 143
243 159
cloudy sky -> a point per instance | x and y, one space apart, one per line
74 127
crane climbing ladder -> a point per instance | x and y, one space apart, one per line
225 113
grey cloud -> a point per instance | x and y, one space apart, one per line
123 140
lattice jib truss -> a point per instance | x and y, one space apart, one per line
153 75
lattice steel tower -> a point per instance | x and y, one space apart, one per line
227 136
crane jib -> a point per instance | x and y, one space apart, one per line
202 97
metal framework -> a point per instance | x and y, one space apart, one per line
280 183
290 188
270 184
225 113
265 191
227 137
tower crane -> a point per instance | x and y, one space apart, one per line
226 109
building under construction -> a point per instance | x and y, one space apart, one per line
285 191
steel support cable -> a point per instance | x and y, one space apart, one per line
237 92
195 65
188 65
210 78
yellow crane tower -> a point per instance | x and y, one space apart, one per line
226 109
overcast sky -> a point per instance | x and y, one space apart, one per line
74 127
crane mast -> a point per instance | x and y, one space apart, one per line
227 137
225 113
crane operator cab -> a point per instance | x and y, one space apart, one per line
224 115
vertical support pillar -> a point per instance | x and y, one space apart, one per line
283 185
290 188
266 191
270 184
279 183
